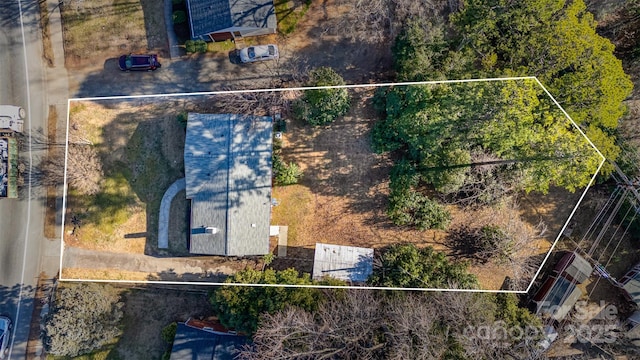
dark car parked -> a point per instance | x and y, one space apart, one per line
139 62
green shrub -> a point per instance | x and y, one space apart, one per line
239 307
196 46
405 265
408 207
322 106
289 174
177 2
182 119
411 208
169 332
284 173
179 17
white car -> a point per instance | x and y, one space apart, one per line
12 117
258 53
5 333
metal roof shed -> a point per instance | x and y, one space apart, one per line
348 263
228 180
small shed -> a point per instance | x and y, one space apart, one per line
349 263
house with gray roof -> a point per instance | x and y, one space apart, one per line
191 343
227 159
215 20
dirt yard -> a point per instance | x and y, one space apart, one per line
147 312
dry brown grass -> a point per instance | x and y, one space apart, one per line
98 29
140 145
103 274
50 215
47 49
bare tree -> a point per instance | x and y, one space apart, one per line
363 325
499 236
83 164
341 328
380 21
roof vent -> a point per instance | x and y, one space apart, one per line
211 230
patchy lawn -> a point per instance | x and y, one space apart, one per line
289 12
140 145
98 29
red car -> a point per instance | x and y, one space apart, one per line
139 62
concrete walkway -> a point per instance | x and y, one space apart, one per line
174 50
165 268
165 209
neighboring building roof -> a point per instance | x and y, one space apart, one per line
631 284
348 263
574 267
210 16
558 299
195 344
228 174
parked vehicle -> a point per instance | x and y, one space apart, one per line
5 334
12 118
11 125
146 62
259 53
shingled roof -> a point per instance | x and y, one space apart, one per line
211 16
195 344
228 176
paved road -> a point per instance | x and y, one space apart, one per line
22 243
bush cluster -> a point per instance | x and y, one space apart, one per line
322 106
409 207
179 17
284 173
196 46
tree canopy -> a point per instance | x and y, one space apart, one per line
482 140
554 40
405 265
240 307
322 106
368 325
83 318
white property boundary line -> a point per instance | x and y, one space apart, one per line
124 97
